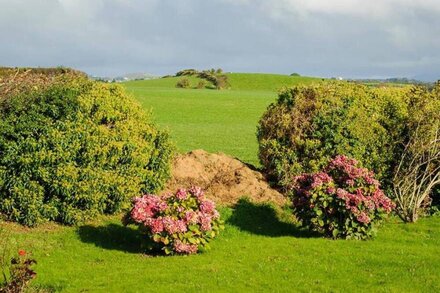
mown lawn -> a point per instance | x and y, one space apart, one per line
261 249
216 121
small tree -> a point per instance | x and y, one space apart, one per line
417 174
220 82
183 83
418 171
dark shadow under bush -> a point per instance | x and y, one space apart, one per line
111 237
262 219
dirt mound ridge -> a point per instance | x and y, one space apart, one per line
223 178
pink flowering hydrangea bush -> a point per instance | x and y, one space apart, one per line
179 223
342 201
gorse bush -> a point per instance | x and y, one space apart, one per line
308 125
76 149
201 84
179 223
215 77
183 83
393 131
187 72
17 80
342 201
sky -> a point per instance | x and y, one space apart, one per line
327 38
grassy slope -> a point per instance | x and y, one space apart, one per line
213 120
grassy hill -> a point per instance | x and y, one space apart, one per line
265 82
217 121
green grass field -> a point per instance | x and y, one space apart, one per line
217 121
256 252
260 250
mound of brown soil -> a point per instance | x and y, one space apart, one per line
224 179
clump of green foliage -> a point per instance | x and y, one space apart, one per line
308 125
393 131
183 83
75 149
215 77
187 72
201 84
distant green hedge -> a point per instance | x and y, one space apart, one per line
74 149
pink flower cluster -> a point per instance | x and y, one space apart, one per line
171 215
146 207
181 247
349 173
355 194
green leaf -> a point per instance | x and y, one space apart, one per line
165 240
156 238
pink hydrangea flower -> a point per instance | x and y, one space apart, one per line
191 217
181 194
181 226
146 207
181 247
156 225
205 222
363 218
197 192
170 216
207 206
170 225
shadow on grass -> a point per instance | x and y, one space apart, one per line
262 219
112 237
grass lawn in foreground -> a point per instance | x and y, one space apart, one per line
259 250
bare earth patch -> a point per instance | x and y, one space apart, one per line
224 179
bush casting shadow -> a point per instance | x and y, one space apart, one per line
112 236
262 219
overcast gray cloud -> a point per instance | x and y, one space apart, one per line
351 38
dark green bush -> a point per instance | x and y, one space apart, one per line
187 72
218 80
215 77
76 149
308 125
